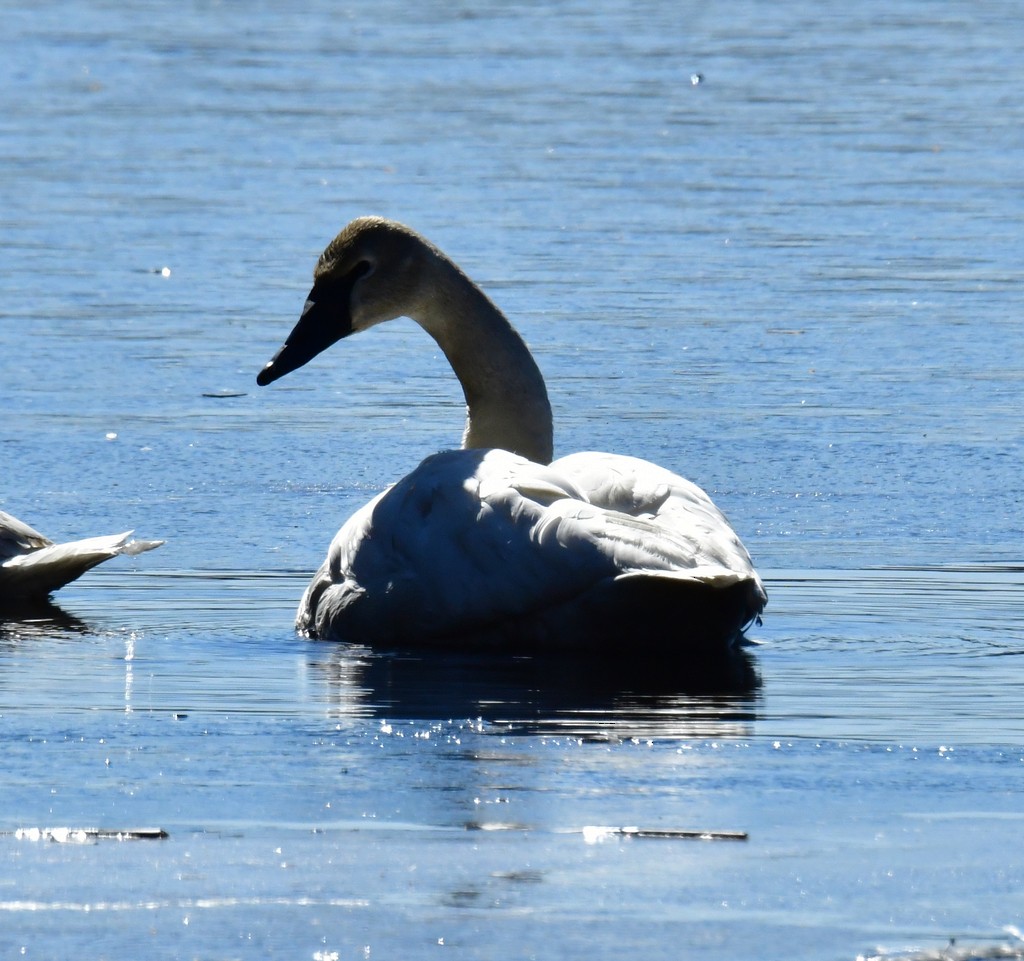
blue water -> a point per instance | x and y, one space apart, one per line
774 249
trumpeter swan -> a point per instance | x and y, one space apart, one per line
494 545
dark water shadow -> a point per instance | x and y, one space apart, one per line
562 694
37 619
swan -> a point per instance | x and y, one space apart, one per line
494 545
32 566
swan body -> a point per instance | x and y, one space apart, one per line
495 545
32 566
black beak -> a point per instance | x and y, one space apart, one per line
325 320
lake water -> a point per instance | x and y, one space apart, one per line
774 247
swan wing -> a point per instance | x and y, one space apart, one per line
16 537
40 569
679 526
473 539
467 539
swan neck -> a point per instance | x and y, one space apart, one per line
506 400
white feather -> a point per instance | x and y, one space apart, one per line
32 566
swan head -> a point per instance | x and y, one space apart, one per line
376 270
370 273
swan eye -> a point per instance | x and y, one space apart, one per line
363 269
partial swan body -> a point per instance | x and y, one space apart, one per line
32 566
496 545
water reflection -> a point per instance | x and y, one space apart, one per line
540 694
42 619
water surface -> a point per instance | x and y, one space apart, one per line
775 250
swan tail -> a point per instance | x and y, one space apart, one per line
742 592
661 614
35 575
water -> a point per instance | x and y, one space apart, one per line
776 250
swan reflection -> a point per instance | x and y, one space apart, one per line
38 619
553 695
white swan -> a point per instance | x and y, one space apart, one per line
492 544
32 566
